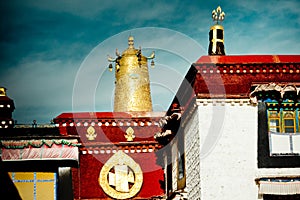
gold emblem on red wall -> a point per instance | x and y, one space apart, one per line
91 133
129 134
121 177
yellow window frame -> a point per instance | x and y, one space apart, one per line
288 115
274 115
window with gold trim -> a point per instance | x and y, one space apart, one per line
283 121
274 121
283 128
289 125
278 124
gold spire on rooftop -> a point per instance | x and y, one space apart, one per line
2 91
130 42
216 33
132 84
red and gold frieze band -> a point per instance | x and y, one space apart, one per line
71 123
233 65
104 119
127 147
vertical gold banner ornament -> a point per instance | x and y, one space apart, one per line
121 177
132 84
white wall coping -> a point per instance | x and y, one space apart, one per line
222 102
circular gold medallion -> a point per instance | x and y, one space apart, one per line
121 177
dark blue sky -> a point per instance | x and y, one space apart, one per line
52 49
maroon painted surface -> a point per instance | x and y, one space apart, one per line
232 76
85 179
236 85
112 134
107 115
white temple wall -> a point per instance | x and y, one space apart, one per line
221 152
192 156
228 141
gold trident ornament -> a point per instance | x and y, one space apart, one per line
218 15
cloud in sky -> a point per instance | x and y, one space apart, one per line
45 43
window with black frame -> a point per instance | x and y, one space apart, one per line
283 127
278 142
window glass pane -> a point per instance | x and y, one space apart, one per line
275 129
274 121
289 122
289 130
274 125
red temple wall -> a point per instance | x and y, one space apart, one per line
85 179
111 134
237 84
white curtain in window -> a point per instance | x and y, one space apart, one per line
280 144
296 143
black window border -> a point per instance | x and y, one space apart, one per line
264 159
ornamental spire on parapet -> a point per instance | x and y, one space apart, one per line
216 33
132 83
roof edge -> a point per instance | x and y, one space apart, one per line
233 59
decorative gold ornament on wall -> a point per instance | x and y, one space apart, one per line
121 177
91 133
129 134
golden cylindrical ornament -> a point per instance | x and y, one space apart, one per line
132 84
